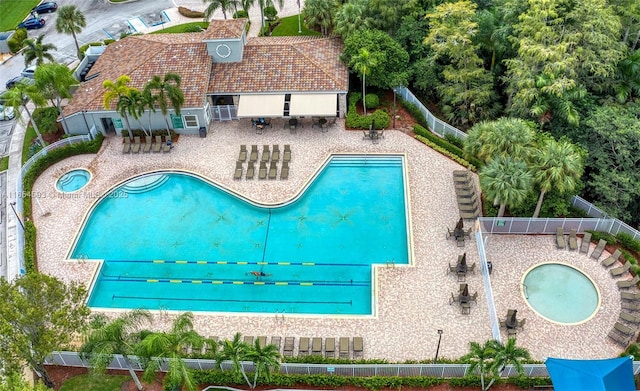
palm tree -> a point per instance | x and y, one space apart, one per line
362 63
506 181
556 165
37 51
15 97
320 13
351 18
502 137
120 336
246 4
264 359
235 351
507 354
481 359
223 5
55 81
166 91
70 21
117 90
166 347
148 100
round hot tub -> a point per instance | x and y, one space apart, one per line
73 180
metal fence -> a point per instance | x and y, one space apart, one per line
527 225
485 267
19 205
617 226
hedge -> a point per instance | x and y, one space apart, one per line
444 145
597 235
356 121
628 241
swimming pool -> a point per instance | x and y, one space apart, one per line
182 243
73 180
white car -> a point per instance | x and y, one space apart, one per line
29 72
6 113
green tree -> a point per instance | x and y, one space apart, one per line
320 14
503 137
166 348
55 81
224 5
386 15
166 91
481 359
235 350
350 18
70 21
507 354
627 86
36 50
38 314
15 97
362 63
556 165
15 382
119 91
119 336
264 358
467 88
506 182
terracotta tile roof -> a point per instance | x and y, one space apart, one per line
141 58
275 64
225 28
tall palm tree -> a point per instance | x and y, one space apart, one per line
36 50
351 17
320 13
507 354
246 4
15 97
70 21
55 81
119 336
264 359
118 90
556 165
235 351
362 63
481 359
166 91
506 182
166 347
223 5
502 137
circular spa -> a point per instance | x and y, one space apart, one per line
560 293
73 180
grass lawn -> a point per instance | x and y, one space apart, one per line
4 163
94 383
181 28
289 26
14 12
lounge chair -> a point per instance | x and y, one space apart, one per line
620 339
358 347
147 144
461 174
329 347
248 339
243 153
622 329
469 215
630 306
462 180
460 193
316 347
135 148
238 173
599 249
618 271
286 156
469 208
262 341
287 351
473 200
266 153
561 244
303 347
166 147
611 259
251 170
344 347
573 240
275 341
262 172
630 296
273 170
284 171
158 144
586 241
126 147
275 155
626 284
627 317
253 156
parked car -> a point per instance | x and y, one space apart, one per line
12 82
45 8
32 23
7 113
29 72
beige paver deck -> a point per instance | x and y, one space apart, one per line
412 301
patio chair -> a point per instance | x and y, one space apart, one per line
462 276
449 234
329 347
618 271
452 269
630 296
275 341
248 339
238 173
561 244
622 329
358 347
512 333
630 306
344 347
586 241
262 341
521 324
599 249
460 241
627 317
573 240
316 347
275 155
611 259
620 339
253 156
465 308
147 144
454 298
267 122
273 170
626 284
262 172
474 298
284 171
287 351
166 147
251 170
266 154
157 146
303 347
135 148
243 153
286 156
126 147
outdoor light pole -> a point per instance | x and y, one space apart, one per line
438 348
395 111
13 207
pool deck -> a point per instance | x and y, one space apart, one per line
413 301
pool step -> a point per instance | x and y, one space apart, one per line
144 184
368 161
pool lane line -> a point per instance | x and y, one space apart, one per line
203 262
350 302
266 239
235 282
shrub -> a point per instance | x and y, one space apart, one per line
17 40
455 140
445 145
270 13
628 257
371 101
193 28
445 152
597 235
190 13
46 118
628 241
240 14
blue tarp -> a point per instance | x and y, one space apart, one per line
614 374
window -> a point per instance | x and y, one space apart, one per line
191 121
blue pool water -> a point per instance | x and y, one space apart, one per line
174 241
561 293
73 180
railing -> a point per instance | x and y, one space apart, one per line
488 290
224 112
616 226
20 191
527 225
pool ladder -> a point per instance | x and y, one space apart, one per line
526 292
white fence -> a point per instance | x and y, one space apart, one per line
485 267
617 226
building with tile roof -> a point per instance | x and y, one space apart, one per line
225 76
